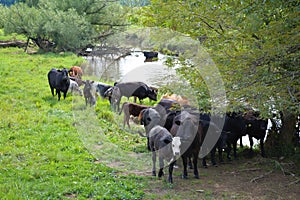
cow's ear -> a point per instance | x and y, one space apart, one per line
167 139
177 122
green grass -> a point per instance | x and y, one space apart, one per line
4 36
44 154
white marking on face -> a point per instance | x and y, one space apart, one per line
176 143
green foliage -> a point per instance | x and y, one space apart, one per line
67 25
254 44
41 153
134 3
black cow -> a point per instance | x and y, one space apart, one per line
187 127
150 54
214 131
138 90
59 80
235 127
257 128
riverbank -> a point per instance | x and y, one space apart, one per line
63 150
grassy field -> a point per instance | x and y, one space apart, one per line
42 153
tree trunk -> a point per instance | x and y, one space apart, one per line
16 43
288 129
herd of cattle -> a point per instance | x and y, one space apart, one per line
173 127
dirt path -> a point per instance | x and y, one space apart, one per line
256 178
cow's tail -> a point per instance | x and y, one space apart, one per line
122 108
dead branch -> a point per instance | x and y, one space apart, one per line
16 43
294 182
250 170
261 176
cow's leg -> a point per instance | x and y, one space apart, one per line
234 149
52 91
213 156
154 163
134 99
148 144
184 161
161 167
118 103
262 149
190 163
251 144
65 95
171 167
195 162
124 120
204 162
58 93
228 150
127 120
220 155
241 141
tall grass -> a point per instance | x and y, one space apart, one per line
42 154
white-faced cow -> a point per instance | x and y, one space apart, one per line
160 140
189 129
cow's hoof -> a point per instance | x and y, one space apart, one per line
184 177
196 176
160 174
153 173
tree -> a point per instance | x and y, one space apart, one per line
64 25
255 45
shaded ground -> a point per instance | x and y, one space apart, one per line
256 178
245 178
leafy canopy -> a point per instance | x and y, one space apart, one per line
64 25
255 44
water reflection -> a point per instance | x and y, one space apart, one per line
131 68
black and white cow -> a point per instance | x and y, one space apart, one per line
160 140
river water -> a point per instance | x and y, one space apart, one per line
131 68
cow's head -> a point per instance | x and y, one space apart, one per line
108 92
65 76
187 127
77 90
152 94
176 143
150 118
